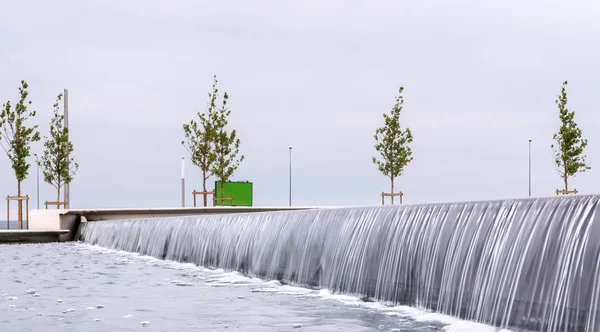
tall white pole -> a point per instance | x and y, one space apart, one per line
290 176
66 109
182 182
38 179
529 168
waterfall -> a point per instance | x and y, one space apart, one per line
531 263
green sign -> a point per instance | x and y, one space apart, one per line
240 191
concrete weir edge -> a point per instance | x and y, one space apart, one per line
66 221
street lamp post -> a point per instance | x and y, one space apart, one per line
67 186
290 176
37 163
182 182
529 168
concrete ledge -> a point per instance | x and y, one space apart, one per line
29 236
136 213
61 219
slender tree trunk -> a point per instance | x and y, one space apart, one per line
204 168
58 187
222 192
392 190
19 206
204 186
204 189
566 177
58 197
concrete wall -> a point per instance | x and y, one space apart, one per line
29 236
54 220
45 220
61 219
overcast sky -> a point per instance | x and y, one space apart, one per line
480 79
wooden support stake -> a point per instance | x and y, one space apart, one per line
57 204
383 195
566 192
17 198
204 193
222 200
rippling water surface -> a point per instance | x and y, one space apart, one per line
79 287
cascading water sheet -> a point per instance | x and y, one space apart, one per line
531 263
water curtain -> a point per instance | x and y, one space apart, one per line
531 263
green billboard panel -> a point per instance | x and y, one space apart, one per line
240 191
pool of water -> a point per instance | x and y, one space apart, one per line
79 287
13 224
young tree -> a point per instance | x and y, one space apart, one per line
569 157
392 143
199 138
226 147
58 163
16 136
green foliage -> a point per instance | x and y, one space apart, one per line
569 157
58 162
226 146
392 143
16 136
200 136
